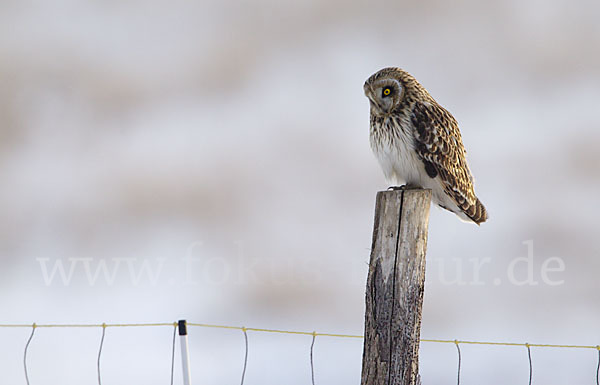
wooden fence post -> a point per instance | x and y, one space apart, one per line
395 285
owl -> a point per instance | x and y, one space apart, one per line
418 144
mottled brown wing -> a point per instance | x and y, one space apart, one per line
440 147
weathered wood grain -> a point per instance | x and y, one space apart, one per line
395 285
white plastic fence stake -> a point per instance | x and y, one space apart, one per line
185 353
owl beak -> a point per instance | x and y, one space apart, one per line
369 95
375 107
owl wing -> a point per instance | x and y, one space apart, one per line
439 145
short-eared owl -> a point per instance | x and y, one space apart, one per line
418 144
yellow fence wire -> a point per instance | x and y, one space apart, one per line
265 330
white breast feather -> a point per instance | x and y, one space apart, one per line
397 157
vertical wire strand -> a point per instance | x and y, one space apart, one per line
25 352
100 353
245 355
459 362
173 352
598 367
312 364
530 363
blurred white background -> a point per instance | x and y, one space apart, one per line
223 147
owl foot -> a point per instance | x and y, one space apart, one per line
404 187
397 188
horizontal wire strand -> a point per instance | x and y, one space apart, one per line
290 332
85 325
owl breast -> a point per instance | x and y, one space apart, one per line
392 143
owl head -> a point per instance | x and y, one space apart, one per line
389 88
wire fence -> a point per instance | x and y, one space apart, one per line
314 335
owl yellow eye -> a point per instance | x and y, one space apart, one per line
387 91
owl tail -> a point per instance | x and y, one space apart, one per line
477 212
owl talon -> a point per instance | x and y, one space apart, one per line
404 187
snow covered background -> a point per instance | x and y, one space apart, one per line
214 156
